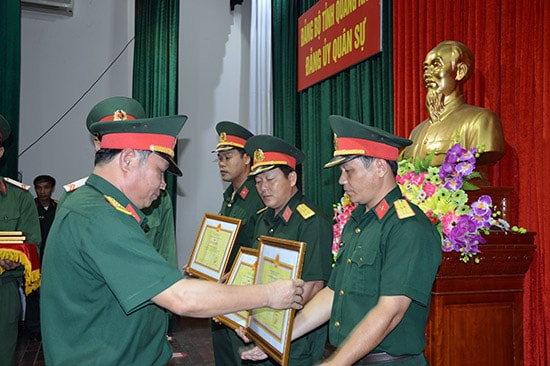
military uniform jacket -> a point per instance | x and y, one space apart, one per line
243 205
100 272
385 255
159 228
302 220
18 213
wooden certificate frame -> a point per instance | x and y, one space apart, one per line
213 246
272 329
243 273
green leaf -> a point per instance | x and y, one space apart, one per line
467 186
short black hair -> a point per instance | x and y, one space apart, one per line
44 179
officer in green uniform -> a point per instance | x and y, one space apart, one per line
17 213
378 296
291 215
240 200
104 286
160 228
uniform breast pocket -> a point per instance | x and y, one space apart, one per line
365 273
9 222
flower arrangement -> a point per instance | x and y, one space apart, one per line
342 213
441 193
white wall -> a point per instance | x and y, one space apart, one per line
61 57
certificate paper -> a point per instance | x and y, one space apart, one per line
213 246
242 273
272 329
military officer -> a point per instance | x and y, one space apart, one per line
291 215
378 296
104 286
17 213
160 228
240 200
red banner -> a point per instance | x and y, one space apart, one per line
334 35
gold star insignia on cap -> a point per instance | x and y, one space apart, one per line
223 137
120 115
259 155
335 141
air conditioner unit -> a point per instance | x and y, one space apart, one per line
64 7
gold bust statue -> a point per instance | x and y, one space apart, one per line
451 120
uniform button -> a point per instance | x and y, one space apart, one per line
357 231
349 260
361 259
270 230
336 324
229 205
341 292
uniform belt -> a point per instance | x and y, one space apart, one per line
380 358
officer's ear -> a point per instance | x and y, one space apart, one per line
1 151
293 178
247 159
127 159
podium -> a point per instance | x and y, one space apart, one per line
476 314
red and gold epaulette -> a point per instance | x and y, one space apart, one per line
117 205
13 182
128 210
75 185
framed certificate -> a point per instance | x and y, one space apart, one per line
272 329
242 273
213 246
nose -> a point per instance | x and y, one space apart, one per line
342 180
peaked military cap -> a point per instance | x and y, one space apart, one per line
5 129
352 139
231 136
115 109
270 151
157 134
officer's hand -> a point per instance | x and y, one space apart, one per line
285 294
8 265
241 332
253 354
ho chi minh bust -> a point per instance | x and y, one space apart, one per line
451 120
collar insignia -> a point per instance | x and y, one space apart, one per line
382 209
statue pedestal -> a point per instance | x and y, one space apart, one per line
476 315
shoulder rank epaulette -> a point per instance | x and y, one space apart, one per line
17 184
305 211
261 210
117 205
403 209
75 185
